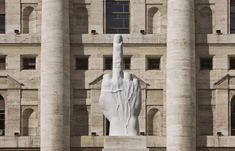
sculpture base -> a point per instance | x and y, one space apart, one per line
125 143
125 149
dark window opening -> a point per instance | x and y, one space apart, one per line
232 16
2 62
29 63
108 62
233 117
2 17
232 63
153 63
82 63
206 64
117 16
2 23
107 125
2 116
127 63
2 123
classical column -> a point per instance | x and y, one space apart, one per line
55 76
180 77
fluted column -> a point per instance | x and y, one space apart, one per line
180 80
55 76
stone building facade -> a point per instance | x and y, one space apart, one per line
143 24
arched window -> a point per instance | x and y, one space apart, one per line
233 117
29 122
2 116
205 21
154 21
29 20
154 122
80 22
232 16
117 16
2 16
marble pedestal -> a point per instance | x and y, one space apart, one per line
125 143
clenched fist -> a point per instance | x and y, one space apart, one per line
120 98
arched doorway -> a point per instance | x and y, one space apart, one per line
154 21
205 21
80 23
29 122
154 122
29 20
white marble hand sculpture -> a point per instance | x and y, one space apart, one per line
120 97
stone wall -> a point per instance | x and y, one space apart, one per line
20 88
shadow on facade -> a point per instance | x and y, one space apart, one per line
204 63
79 109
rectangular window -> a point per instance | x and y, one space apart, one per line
153 63
232 16
2 123
127 63
108 62
82 63
28 63
2 62
206 63
232 63
2 23
233 125
117 16
233 130
233 118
